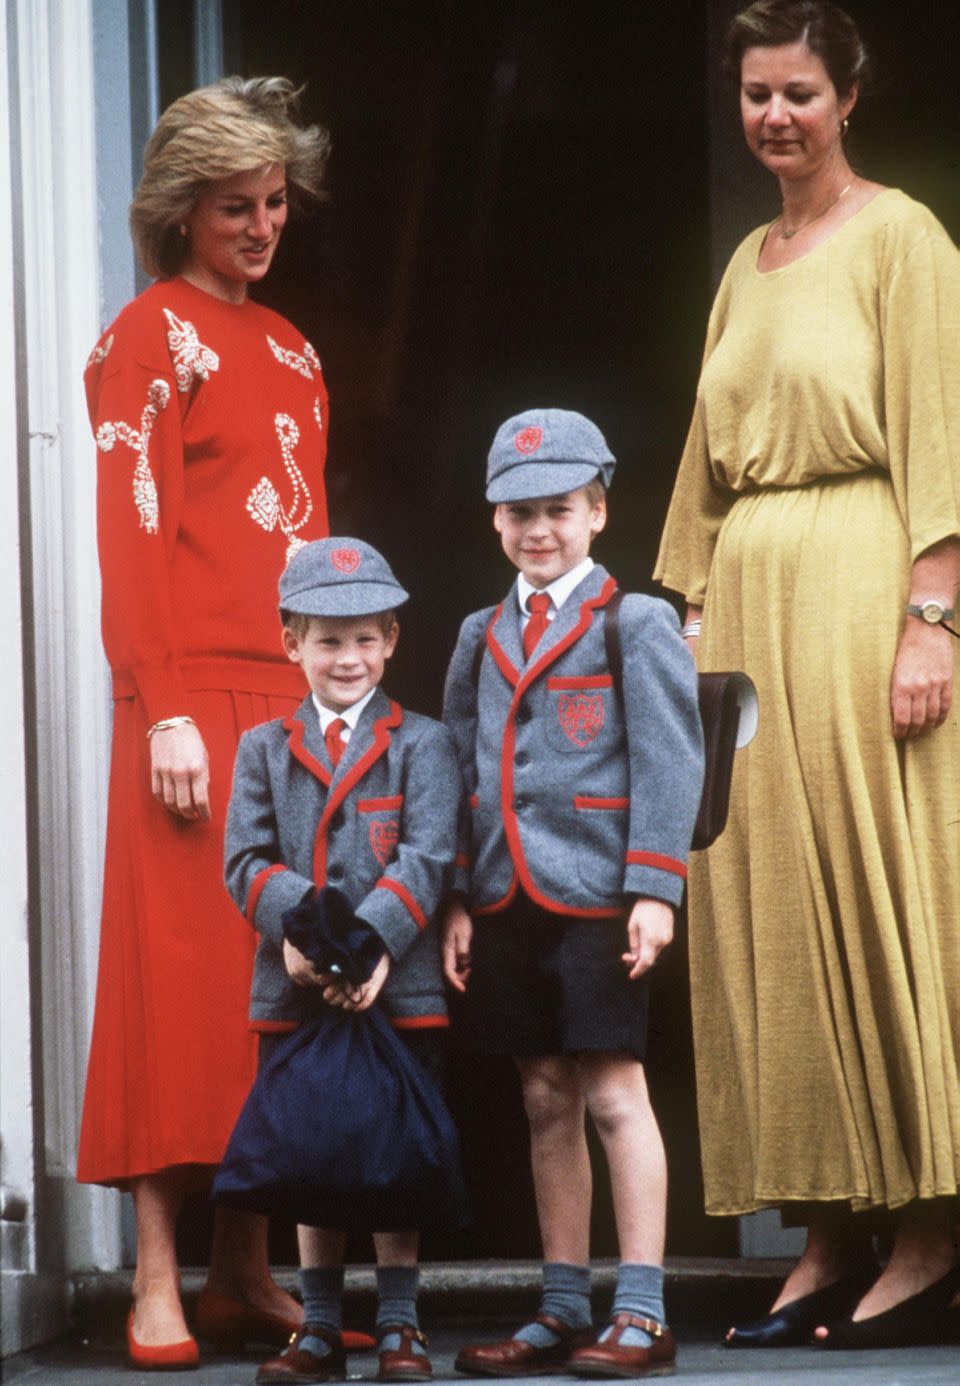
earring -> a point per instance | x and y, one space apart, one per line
183 229
844 126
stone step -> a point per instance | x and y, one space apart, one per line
703 1295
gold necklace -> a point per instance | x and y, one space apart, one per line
787 234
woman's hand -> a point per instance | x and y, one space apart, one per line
921 689
457 933
649 930
180 771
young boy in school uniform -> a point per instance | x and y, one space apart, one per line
584 797
355 792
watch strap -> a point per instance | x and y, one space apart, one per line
946 613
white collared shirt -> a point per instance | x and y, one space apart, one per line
558 591
350 715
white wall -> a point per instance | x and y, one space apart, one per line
51 856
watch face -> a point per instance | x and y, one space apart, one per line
933 612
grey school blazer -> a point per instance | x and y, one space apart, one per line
381 827
578 796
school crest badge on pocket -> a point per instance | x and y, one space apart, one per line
581 716
383 839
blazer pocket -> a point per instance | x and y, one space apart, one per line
382 819
579 712
601 829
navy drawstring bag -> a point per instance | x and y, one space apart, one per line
343 1126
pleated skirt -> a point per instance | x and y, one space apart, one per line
825 922
171 1054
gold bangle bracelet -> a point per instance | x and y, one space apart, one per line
168 723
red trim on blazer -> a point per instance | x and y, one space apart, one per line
584 681
295 730
587 611
474 800
420 1022
659 860
584 801
380 805
320 859
503 903
401 892
256 888
462 860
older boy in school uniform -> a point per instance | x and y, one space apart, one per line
584 798
355 792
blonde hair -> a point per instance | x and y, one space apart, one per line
595 491
235 125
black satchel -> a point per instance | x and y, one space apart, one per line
722 697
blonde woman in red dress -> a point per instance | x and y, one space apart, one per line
210 417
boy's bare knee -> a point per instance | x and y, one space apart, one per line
551 1091
616 1092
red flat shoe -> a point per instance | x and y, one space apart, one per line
229 1324
167 1357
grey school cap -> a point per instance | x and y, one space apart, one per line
546 452
339 577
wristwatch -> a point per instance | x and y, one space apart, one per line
933 612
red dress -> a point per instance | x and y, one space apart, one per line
210 420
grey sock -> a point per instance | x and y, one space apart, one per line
397 1304
639 1291
566 1296
322 1288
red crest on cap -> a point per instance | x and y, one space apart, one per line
347 560
528 439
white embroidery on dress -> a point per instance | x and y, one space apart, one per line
263 502
144 487
317 414
304 365
99 353
191 359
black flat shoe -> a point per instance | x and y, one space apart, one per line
792 1324
919 1321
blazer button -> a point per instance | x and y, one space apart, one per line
336 819
335 874
523 713
521 758
520 803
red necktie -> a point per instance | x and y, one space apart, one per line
332 736
538 604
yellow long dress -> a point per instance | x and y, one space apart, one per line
823 458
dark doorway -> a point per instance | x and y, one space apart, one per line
518 216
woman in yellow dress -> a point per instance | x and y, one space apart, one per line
815 532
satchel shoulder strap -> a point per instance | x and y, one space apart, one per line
611 640
481 649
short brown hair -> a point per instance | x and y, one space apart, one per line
299 623
826 29
234 126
